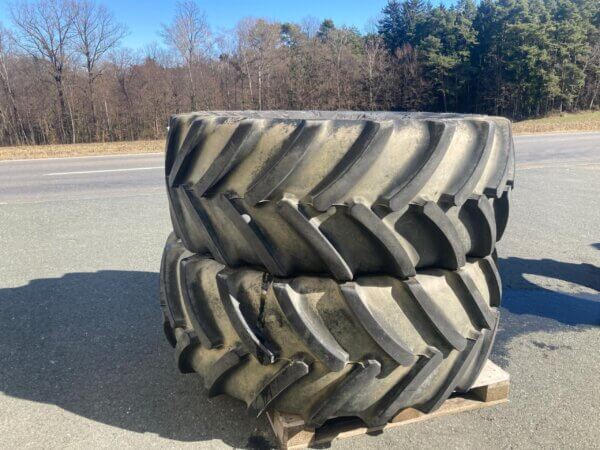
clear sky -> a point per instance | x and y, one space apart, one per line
143 18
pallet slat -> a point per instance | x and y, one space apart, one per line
491 388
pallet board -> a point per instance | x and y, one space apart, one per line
490 388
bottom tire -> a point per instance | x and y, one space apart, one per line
319 348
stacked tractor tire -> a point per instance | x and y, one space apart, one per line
333 264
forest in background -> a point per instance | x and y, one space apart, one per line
66 78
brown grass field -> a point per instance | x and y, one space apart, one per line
568 122
63 151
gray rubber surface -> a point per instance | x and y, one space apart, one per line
339 193
320 349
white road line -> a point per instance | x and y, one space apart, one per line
131 169
566 134
115 155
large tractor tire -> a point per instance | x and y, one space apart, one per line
339 193
322 348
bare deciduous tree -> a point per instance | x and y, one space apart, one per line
339 43
63 76
258 41
97 33
373 65
189 34
122 62
45 29
14 122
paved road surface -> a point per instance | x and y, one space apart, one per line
84 363
557 149
85 177
118 176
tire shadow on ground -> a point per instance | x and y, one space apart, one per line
528 307
92 344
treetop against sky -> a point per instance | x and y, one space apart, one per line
67 74
144 18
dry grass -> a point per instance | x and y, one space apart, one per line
63 151
583 121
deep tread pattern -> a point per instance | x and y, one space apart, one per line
214 378
469 377
197 128
203 326
197 131
176 214
353 384
436 316
477 168
441 135
370 318
186 343
402 394
200 225
318 348
485 316
172 311
283 379
250 335
478 216
243 141
403 266
178 129
299 143
456 373
310 328
499 181
270 256
369 145
309 230
268 172
493 280
452 255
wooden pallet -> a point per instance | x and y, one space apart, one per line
490 388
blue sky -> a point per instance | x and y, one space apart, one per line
143 18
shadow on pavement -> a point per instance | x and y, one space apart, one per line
92 344
528 307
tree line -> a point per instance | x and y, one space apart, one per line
65 76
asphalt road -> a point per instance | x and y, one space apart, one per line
84 363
